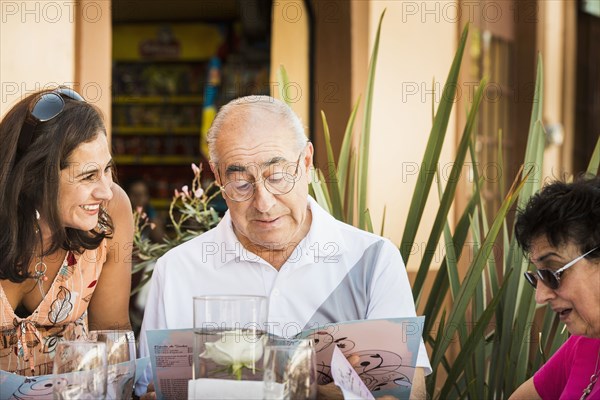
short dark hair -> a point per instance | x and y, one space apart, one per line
563 213
31 182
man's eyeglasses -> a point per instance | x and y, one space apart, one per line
551 278
277 183
46 107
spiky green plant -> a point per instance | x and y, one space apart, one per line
491 316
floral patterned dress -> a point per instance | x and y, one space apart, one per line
27 344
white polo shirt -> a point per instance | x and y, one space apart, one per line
336 273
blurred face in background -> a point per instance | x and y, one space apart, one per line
138 194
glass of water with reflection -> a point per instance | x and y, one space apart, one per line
290 370
120 354
79 370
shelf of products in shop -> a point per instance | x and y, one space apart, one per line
156 130
154 160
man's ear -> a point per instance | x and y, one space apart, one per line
308 156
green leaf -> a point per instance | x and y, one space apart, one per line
320 190
593 166
332 183
344 172
435 302
452 272
534 152
474 274
368 222
351 188
383 221
469 347
532 170
449 192
363 161
431 380
284 82
517 364
500 159
432 153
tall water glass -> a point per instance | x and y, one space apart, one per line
120 351
229 336
290 371
79 370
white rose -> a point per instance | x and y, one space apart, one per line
235 349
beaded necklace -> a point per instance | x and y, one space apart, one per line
593 380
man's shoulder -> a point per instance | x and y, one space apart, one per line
356 235
352 237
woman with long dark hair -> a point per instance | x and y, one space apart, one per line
67 228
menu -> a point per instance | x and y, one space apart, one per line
387 352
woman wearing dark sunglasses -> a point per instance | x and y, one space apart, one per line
65 247
560 230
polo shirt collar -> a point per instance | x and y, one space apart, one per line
228 246
323 241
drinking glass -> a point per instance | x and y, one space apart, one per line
120 352
229 336
79 370
290 370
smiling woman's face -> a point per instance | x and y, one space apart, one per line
85 183
577 299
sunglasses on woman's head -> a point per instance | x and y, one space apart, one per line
551 278
46 107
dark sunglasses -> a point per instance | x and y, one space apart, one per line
46 107
551 278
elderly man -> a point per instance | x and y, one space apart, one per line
275 240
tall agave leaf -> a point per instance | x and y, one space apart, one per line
435 301
473 276
319 190
500 158
332 182
448 196
368 223
343 171
470 345
482 351
284 81
363 161
432 378
534 154
432 153
593 166
454 280
515 320
516 363
351 188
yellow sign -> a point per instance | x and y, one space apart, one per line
180 42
